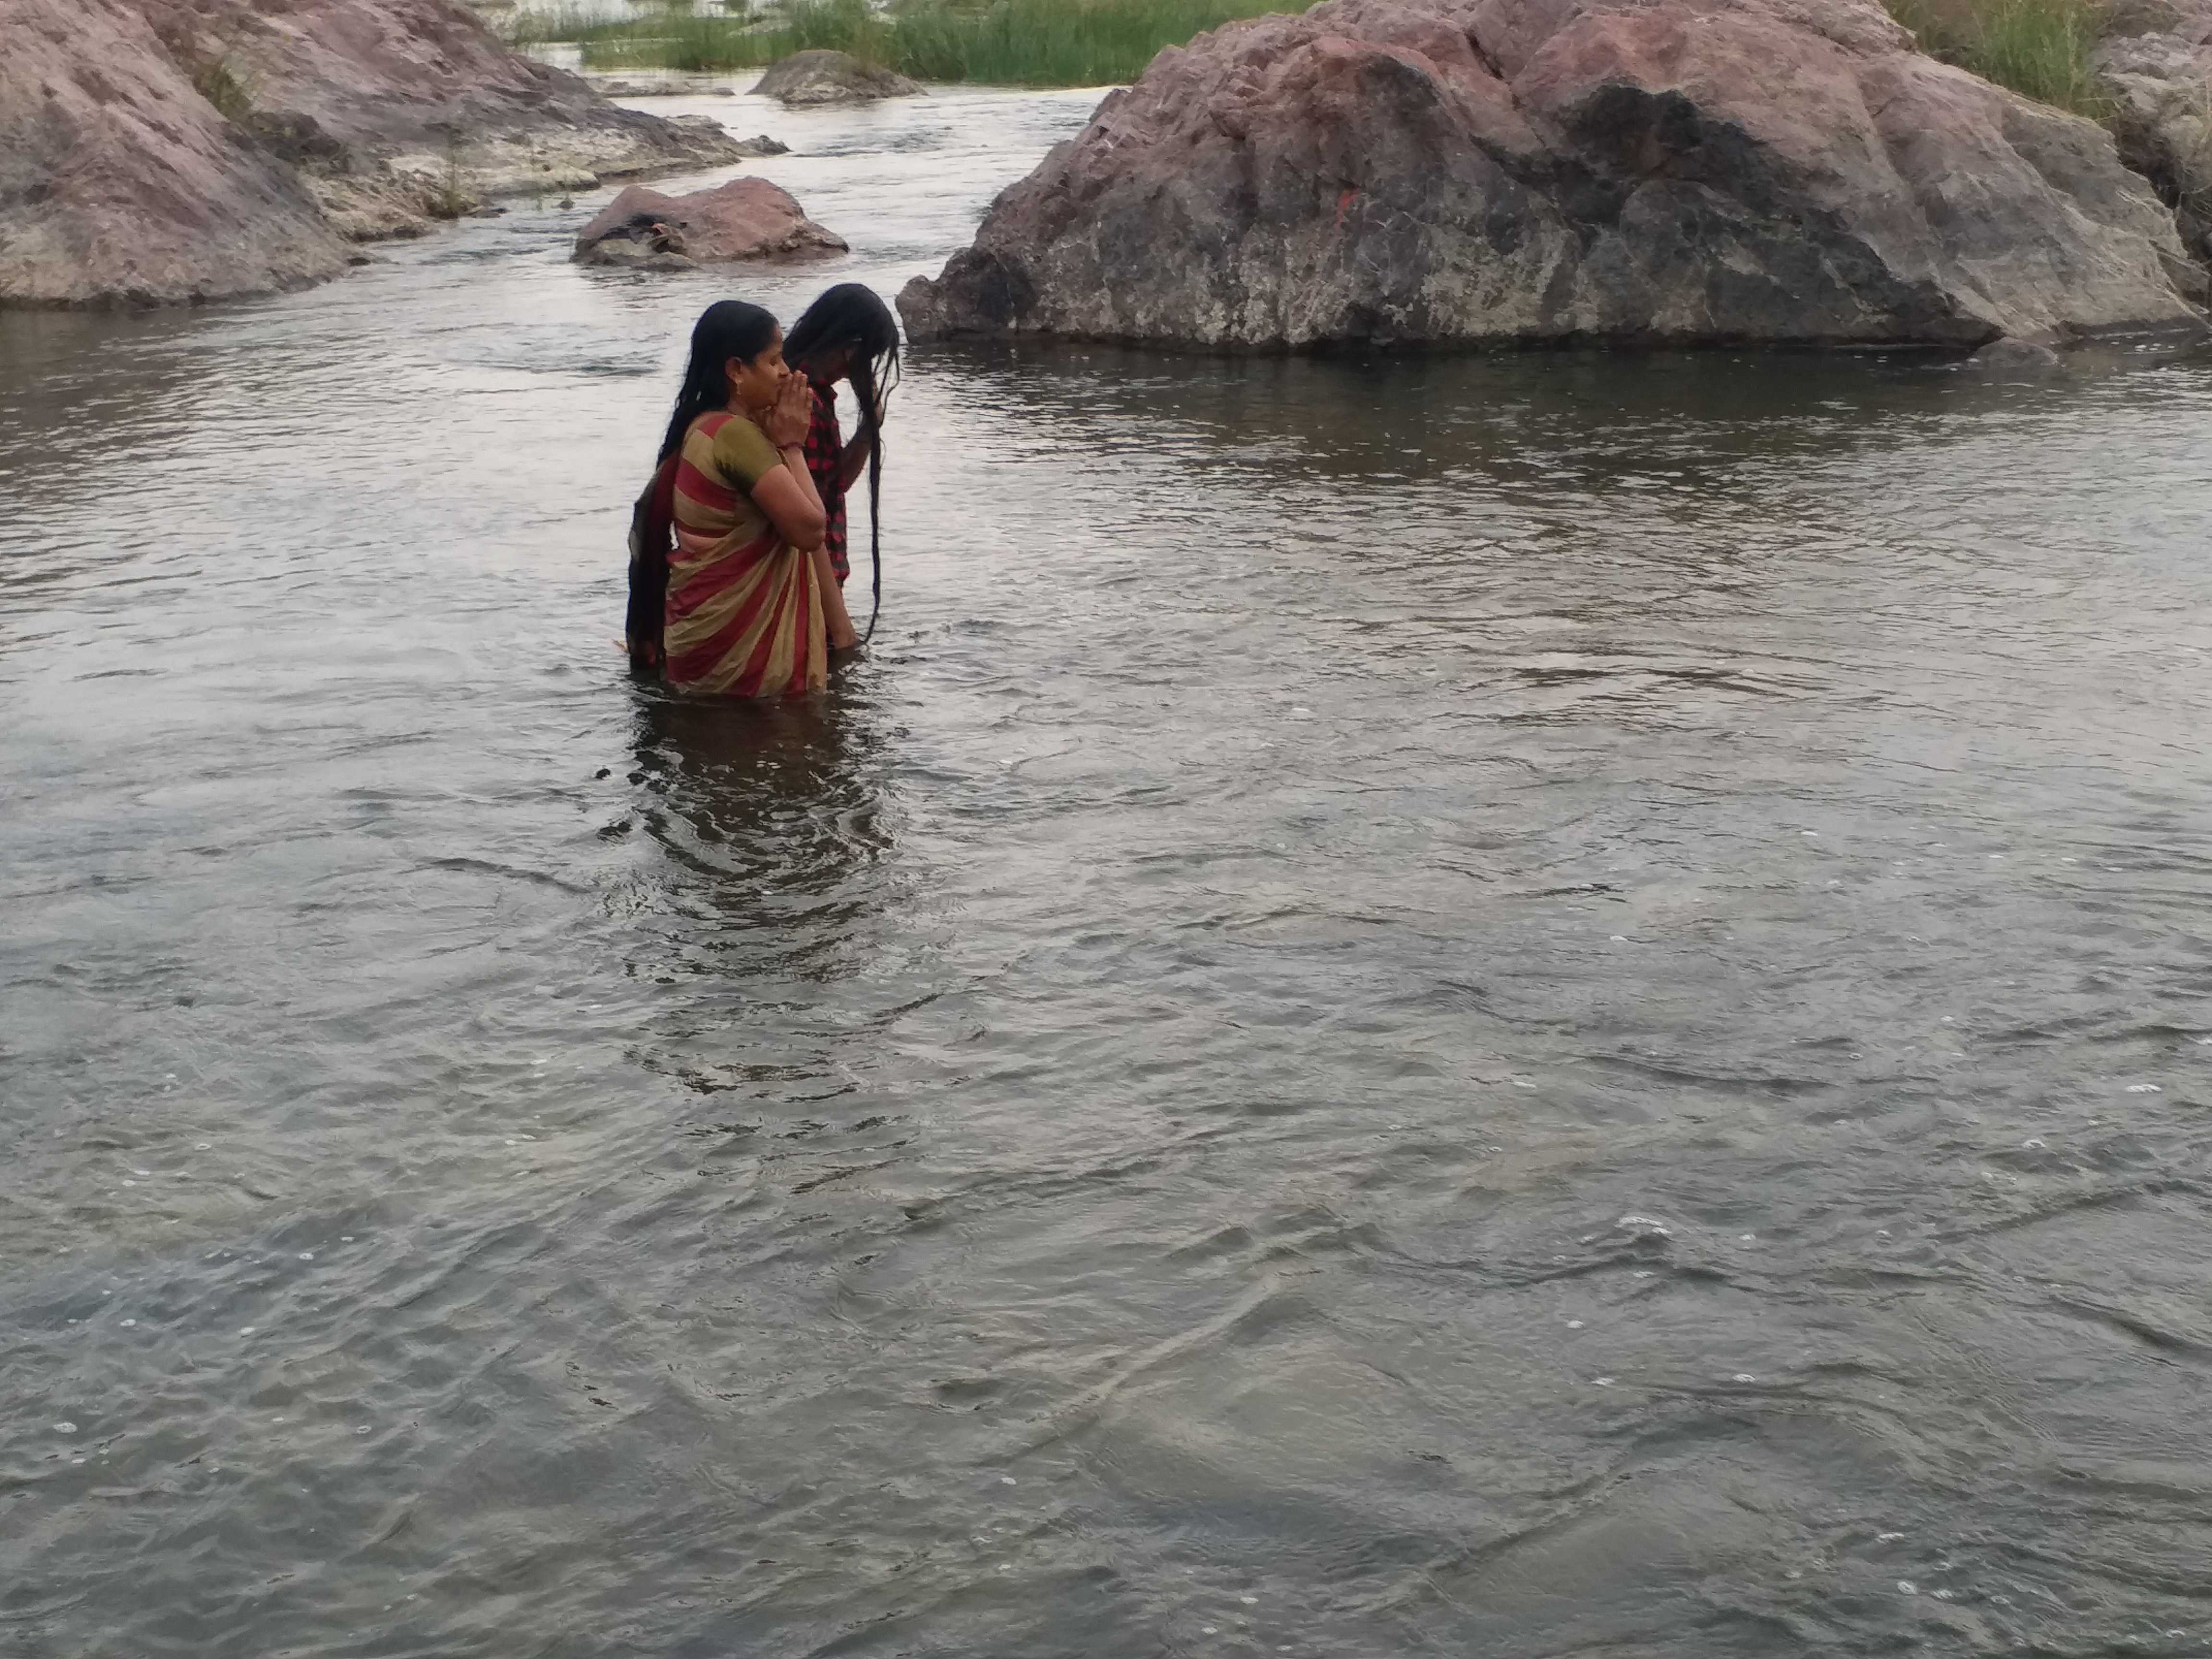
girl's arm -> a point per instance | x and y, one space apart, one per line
854 460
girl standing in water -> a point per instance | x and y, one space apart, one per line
751 607
847 334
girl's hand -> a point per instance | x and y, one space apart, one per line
793 413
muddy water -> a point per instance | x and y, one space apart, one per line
1527 1005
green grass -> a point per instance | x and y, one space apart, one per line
2039 48
1035 43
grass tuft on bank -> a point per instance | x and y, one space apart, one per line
2041 48
2038 48
1028 43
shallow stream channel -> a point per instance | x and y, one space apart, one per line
1536 1004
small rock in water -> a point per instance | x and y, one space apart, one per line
2011 356
64 1428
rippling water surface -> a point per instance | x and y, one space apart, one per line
1523 1005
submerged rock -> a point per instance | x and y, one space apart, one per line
1406 171
2017 358
661 86
744 219
832 77
155 151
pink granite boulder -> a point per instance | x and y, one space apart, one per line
748 219
1398 171
119 183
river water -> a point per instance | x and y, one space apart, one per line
1519 1004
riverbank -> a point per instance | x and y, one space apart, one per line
1039 43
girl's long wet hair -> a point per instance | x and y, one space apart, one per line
727 329
852 315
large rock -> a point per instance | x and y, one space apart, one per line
156 151
2160 76
1398 171
831 77
120 183
748 219
422 88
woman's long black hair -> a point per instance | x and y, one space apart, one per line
727 329
852 315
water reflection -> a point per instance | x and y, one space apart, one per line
1557 418
767 817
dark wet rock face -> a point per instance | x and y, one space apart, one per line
831 77
746 219
1404 171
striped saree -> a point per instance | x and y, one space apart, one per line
744 615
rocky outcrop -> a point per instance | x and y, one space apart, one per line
422 88
120 181
1406 171
831 77
2160 74
159 151
746 219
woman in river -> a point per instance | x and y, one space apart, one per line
847 335
750 605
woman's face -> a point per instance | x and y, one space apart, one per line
754 385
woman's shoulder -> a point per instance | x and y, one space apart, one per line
736 445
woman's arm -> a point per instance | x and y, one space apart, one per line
789 498
786 495
854 460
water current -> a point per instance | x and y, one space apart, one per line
1514 1005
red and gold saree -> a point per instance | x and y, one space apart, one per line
744 613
